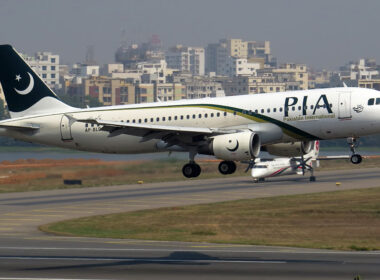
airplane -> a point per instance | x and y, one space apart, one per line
265 168
233 128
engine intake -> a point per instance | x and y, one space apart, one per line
236 146
293 149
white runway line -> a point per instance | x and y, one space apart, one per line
284 251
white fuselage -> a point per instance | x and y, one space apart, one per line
313 114
275 167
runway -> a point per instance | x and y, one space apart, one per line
27 253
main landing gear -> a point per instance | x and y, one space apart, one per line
354 143
191 169
227 167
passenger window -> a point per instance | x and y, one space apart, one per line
274 110
151 119
256 111
262 111
371 101
280 109
212 115
133 121
181 117
163 118
268 110
127 121
200 116
205 115
146 120
299 108
139 120
158 119
175 118
377 101
293 108
218 114
193 116
312 107
234 113
187 116
225 113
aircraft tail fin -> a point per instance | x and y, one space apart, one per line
25 92
314 153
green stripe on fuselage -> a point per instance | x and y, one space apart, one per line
289 130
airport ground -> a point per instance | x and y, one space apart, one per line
27 252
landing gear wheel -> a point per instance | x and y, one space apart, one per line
191 170
312 179
356 159
227 167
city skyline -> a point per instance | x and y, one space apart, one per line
323 34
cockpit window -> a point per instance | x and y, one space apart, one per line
371 101
377 101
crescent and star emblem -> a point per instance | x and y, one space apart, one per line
235 148
30 86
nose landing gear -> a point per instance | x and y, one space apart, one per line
354 143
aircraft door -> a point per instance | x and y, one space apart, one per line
344 105
66 129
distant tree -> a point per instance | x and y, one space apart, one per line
4 113
92 101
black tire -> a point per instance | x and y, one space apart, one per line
227 167
191 170
356 158
197 170
232 167
312 179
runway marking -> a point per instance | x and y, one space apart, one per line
163 260
18 219
62 211
285 251
39 278
33 215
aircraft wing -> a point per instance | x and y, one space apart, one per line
172 135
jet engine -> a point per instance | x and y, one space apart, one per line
292 149
236 146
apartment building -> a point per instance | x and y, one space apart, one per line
292 72
239 85
46 65
186 59
218 54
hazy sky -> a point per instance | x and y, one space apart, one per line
323 34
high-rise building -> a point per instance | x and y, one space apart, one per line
218 55
46 65
186 59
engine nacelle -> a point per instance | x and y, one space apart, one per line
236 146
294 149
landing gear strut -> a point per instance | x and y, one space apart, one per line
354 143
191 169
307 167
227 167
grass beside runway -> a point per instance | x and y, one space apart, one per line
48 174
344 220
